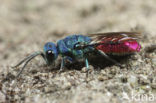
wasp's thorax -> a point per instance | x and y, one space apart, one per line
51 52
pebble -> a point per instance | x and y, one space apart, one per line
67 86
49 89
102 78
153 85
2 97
143 80
133 80
84 69
123 79
154 62
146 88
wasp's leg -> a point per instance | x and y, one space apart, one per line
62 65
87 63
69 59
110 59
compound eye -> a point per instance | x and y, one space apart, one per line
49 53
50 56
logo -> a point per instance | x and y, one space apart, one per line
138 97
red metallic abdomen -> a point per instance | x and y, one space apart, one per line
124 47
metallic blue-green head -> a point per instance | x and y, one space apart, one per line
51 52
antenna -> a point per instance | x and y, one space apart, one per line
27 60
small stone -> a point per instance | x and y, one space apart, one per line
110 76
67 86
72 73
47 89
123 79
113 71
143 80
2 97
154 61
133 80
146 88
134 57
50 89
150 48
102 78
153 85
84 69
103 72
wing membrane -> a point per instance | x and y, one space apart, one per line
114 37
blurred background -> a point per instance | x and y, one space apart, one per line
26 25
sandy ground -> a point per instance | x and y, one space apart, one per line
26 25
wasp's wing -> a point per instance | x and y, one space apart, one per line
113 37
116 42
